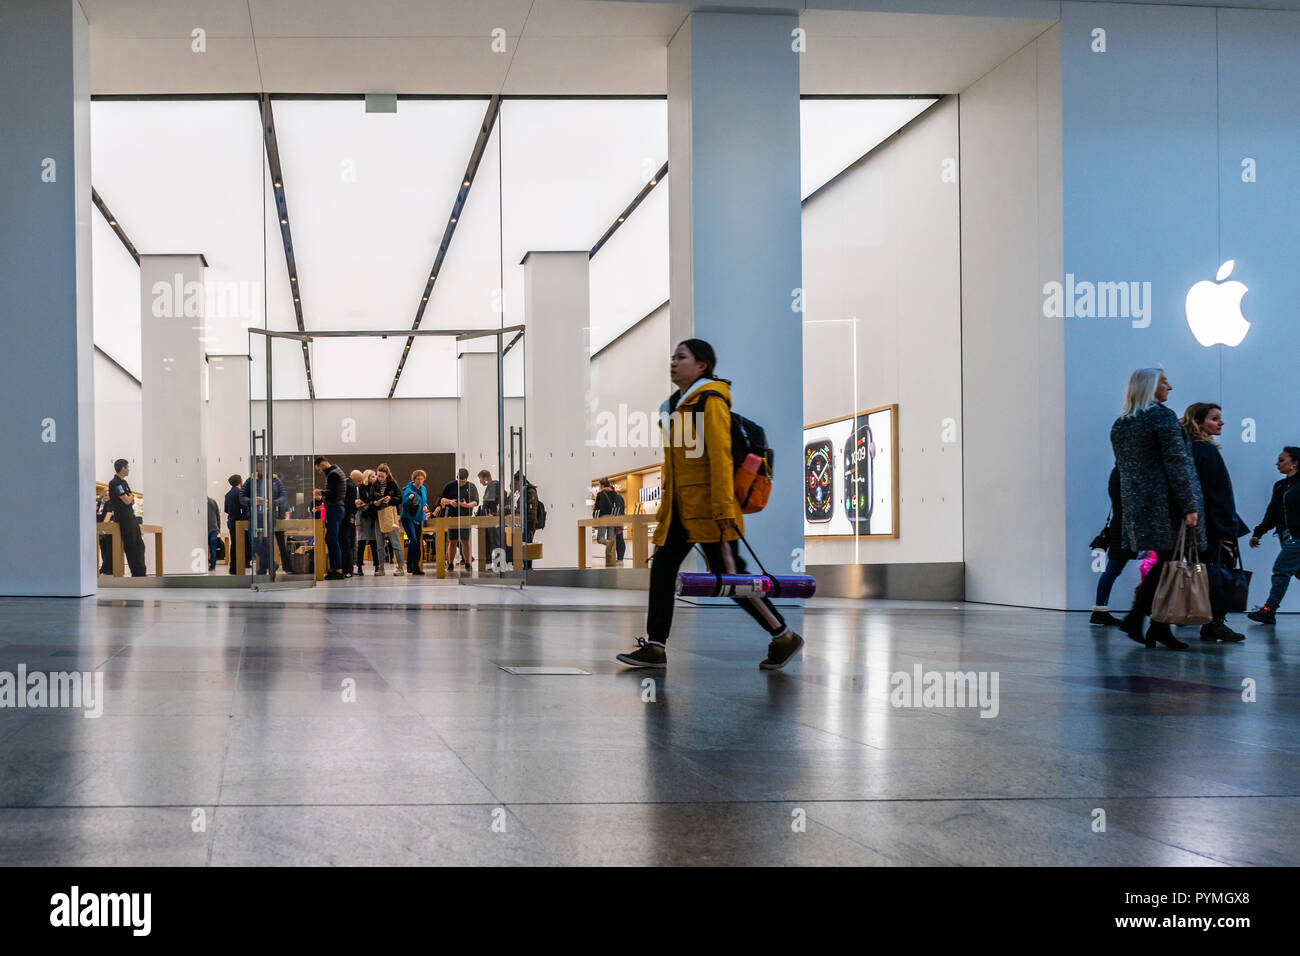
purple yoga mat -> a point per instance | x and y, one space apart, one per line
703 584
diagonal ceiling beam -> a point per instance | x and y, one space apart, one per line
655 180
282 212
471 170
113 223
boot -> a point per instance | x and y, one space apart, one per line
1101 617
1163 633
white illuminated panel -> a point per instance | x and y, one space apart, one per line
465 295
570 168
834 134
116 288
184 176
430 370
629 275
355 367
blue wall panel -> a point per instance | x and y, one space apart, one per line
1154 131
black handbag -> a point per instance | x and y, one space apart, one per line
1229 581
1102 541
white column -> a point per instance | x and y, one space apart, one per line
735 265
174 474
228 423
476 415
557 351
47 390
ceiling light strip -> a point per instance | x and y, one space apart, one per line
655 180
282 213
113 223
462 194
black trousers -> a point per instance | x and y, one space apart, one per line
348 542
664 566
133 548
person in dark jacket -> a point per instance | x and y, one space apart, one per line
335 509
348 529
1203 422
255 497
1283 515
388 493
214 533
236 510
1117 556
610 503
1158 488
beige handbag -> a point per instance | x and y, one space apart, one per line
388 519
1183 593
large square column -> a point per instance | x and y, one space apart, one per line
734 227
557 354
174 473
47 392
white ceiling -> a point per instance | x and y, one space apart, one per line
191 175
551 47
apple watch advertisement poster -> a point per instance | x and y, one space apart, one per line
850 475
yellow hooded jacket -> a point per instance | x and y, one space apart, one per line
699 482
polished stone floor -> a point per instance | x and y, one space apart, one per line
226 737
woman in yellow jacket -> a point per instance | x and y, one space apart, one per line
698 505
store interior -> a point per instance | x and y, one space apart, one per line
456 280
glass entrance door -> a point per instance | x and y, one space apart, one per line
283 539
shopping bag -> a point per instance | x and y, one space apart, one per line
1183 592
1229 581
388 519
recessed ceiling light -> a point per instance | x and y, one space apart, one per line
467 182
277 185
112 222
453 218
293 278
284 222
621 218
654 182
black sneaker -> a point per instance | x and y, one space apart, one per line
781 651
1104 619
645 655
1265 615
1216 631
333 575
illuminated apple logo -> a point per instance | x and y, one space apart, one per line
1214 309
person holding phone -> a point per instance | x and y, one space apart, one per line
698 506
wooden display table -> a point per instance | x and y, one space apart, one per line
639 531
442 525
111 528
314 525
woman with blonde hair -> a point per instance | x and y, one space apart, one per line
1203 422
1159 489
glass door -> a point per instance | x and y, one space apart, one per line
283 544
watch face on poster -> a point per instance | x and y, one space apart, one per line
859 486
818 500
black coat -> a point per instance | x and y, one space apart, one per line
1221 520
1283 508
1115 546
1157 479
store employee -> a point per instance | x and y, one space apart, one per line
122 500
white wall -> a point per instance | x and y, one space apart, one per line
376 426
1013 359
117 418
881 258
631 372
228 422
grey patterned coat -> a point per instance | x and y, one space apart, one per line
1157 479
